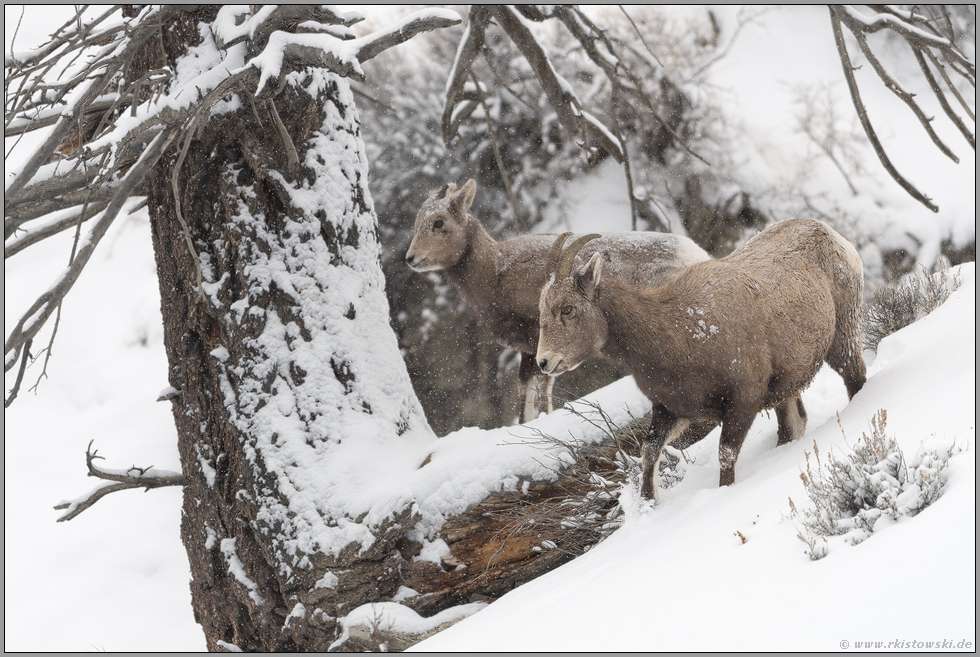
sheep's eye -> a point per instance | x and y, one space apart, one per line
437 224
566 310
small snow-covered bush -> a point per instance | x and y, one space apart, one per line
852 494
895 307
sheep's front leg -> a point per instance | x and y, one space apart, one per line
665 427
545 384
526 391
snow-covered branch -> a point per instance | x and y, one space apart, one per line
460 102
928 44
115 480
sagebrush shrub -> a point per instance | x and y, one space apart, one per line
852 494
895 307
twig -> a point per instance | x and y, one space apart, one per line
175 186
503 84
363 94
57 317
577 23
634 212
134 477
292 157
941 97
94 90
742 22
15 246
25 356
640 34
519 224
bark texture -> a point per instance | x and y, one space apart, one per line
251 586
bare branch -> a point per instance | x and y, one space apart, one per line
72 34
909 27
366 96
54 195
941 97
175 187
952 87
309 49
504 85
63 221
288 18
895 87
19 124
743 19
866 122
116 480
76 89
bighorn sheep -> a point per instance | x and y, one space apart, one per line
724 340
502 281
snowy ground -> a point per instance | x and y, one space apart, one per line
116 577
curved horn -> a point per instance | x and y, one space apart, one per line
564 268
555 254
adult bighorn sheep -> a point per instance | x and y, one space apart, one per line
724 340
502 281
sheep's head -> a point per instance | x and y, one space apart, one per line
573 327
440 228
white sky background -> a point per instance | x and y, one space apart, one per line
116 577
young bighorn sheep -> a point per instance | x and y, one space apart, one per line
724 340
502 281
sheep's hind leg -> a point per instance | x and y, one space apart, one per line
791 416
735 425
846 360
845 355
664 429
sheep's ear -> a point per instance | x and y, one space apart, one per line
587 279
461 198
439 192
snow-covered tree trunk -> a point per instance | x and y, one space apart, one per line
290 380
